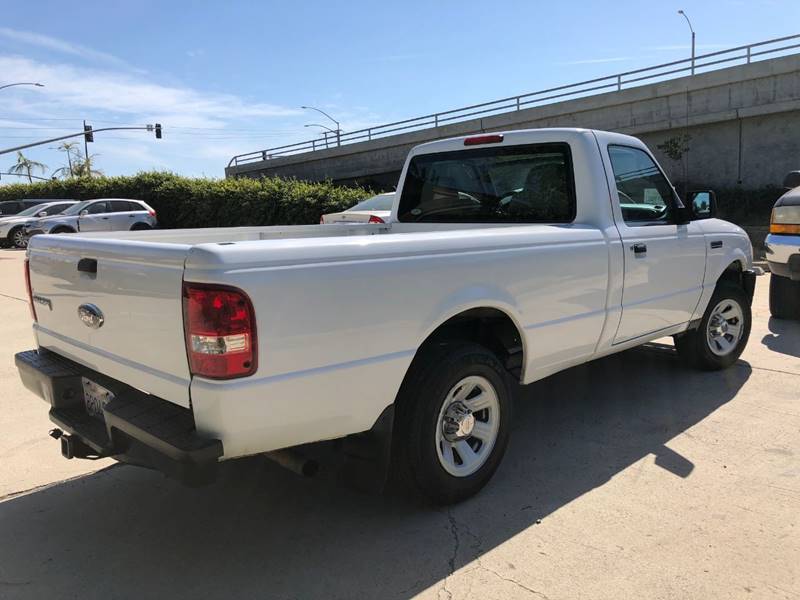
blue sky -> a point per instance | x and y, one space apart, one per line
229 77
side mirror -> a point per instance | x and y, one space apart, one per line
703 204
792 180
84 212
42 214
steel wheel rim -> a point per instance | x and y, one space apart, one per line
19 239
464 440
725 327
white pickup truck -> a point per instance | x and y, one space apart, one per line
509 256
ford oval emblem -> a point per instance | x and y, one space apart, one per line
91 316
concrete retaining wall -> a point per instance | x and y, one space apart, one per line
744 124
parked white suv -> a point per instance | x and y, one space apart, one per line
102 214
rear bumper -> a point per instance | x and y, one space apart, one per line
136 427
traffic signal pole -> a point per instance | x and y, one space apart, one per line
156 128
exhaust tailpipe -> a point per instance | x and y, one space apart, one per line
294 461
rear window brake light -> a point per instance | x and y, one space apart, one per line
477 140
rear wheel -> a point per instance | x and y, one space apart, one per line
784 297
62 230
140 227
723 332
18 238
453 418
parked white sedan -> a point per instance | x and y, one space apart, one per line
376 209
12 228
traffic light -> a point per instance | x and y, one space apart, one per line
158 131
87 133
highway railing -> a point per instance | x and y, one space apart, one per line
616 82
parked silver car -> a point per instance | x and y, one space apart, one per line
12 228
101 214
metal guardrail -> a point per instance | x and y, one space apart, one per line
514 103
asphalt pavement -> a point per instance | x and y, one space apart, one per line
629 477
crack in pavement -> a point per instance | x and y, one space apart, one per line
455 528
14 298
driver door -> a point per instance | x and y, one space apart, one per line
664 262
97 217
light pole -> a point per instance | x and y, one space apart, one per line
680 12
325 133
338 127
2 87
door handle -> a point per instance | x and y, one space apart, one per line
639 248
105 218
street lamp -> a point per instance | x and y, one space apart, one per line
2 87
325 133
680 12
338 130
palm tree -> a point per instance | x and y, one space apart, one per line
84 166
26 165
69 148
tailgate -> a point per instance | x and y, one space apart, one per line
136 286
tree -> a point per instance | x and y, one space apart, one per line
675 148
77 164
83 166
70 149
26 165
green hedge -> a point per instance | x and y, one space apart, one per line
193 202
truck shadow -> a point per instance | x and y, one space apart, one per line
262 531
784 336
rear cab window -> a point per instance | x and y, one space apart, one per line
530 183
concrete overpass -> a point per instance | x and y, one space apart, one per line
744 123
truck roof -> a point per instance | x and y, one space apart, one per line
521 136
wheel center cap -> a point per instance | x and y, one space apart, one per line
458 422
719 327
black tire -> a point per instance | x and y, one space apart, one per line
63 230
140 227
16 238
433 375
694 346
784 297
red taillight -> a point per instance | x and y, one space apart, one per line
477 140
30 290
220 327
375 219
152 213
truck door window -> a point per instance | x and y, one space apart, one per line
645 195
512 184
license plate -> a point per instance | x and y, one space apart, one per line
95 397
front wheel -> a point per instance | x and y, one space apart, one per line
18 238
723 332
784 297
453 420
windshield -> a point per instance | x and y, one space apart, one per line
379 202
75 209
31 211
